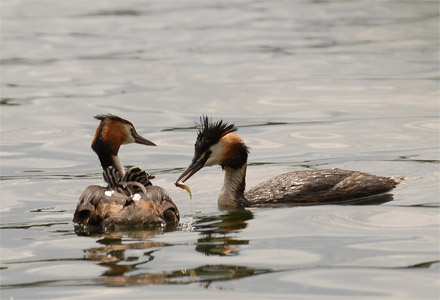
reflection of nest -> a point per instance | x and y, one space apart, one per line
114 249
204 274
114 253
215 239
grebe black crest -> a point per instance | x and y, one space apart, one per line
217 144
129 198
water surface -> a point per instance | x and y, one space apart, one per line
310 84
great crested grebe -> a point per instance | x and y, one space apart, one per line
217 144
129 198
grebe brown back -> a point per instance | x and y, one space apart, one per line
217 144
129 198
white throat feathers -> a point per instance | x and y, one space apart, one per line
232 192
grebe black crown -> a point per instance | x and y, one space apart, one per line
209 133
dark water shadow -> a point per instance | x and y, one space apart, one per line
205 275
9 101
217 232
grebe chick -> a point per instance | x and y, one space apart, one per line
129 198
217 144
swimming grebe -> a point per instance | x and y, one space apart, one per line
217 144
129 198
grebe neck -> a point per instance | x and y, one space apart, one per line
107 153
108 159
232 193
118 165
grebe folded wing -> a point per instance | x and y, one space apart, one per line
319 187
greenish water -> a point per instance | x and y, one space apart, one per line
310 84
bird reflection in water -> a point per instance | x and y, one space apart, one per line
218 237
204 275
216 232
114 248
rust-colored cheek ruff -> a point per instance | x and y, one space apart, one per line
235 152
114 134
